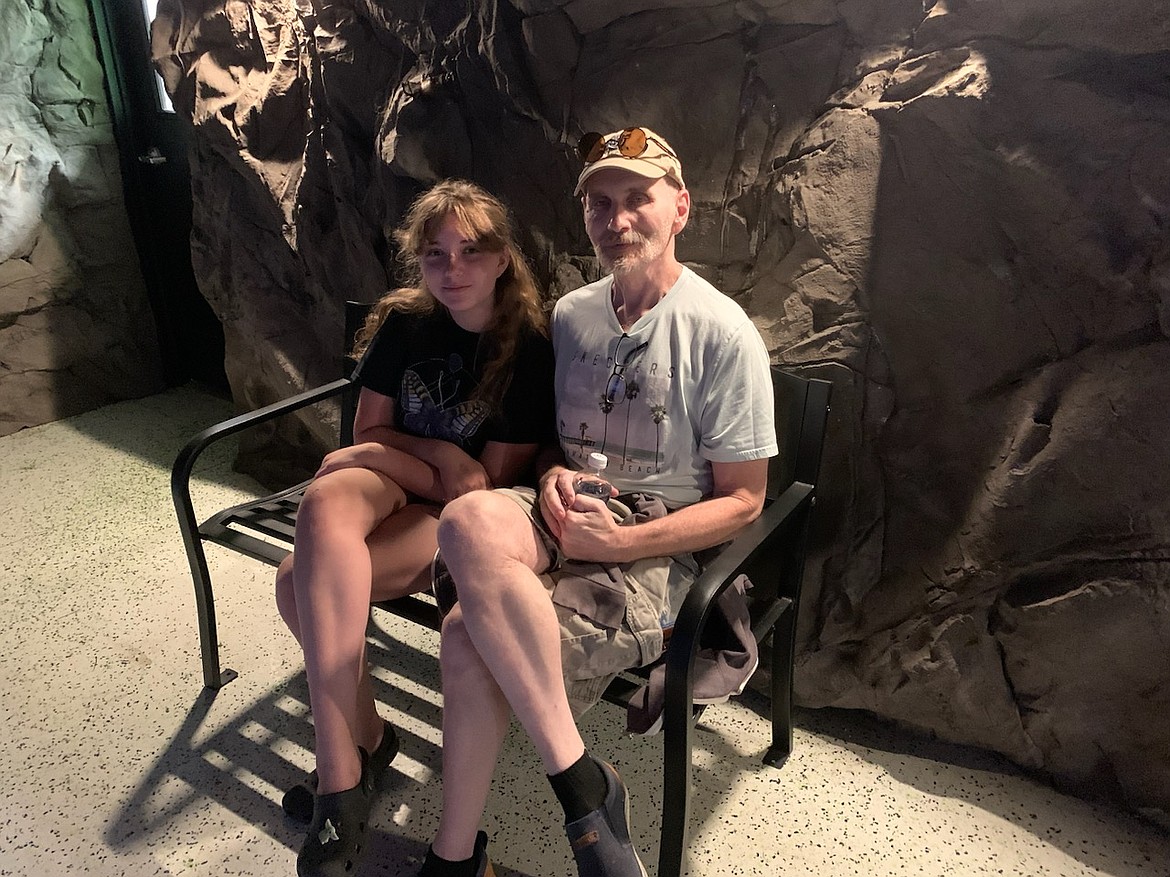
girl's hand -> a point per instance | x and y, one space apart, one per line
363 456
461 474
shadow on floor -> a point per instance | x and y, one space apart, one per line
244 766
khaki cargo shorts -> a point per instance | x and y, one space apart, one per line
611 616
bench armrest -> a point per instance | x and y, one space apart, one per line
755 540
185 461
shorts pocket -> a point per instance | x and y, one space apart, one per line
594 591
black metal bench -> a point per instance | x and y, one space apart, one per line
771 551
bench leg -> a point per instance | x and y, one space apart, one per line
783 635
213 677
677 732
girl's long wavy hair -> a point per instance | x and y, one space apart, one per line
517 299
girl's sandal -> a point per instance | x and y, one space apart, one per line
337 832
297 802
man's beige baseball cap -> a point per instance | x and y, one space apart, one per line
636 149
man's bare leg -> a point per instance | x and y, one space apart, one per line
493 552
508 631
475 721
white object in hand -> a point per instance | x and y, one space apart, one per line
590 481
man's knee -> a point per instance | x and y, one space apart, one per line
479 522
286 599
484 537
457 653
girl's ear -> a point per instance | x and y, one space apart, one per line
505 261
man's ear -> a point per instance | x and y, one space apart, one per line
683 207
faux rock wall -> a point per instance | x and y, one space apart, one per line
75 328
957 212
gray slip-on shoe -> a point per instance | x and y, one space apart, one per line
601 839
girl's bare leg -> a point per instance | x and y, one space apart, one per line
350 546
331 586
400 551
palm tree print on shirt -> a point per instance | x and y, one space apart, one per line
632 389
657 414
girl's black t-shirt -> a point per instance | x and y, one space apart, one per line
429 366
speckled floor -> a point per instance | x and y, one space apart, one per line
116 762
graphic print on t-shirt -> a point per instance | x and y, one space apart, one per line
619 402
428 388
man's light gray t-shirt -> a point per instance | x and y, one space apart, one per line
687 385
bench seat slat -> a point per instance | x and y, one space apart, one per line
278 526
247 544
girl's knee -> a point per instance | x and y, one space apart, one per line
324 499
348 498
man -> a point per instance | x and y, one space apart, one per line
669 378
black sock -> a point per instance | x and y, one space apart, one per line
437 866
580 788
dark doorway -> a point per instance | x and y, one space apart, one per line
152 143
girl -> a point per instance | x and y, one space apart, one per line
456 395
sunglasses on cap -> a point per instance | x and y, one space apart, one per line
630 143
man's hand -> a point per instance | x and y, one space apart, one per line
589 532
583 525
737 500
555 495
